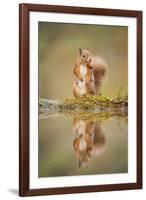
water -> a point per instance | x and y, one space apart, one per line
71 146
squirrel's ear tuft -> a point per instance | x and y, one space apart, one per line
80 51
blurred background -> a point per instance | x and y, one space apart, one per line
58 51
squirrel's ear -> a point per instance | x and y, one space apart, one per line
80 51
88 49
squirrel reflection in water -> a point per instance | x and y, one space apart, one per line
89 140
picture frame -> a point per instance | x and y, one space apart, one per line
25 75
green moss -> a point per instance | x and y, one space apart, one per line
90 101
89 107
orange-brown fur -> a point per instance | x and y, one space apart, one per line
89 83
90 137
96 66
83 61
84 83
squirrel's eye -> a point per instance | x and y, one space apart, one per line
83 56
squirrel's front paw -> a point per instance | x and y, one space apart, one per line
89 66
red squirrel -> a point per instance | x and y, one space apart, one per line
89 141
90 72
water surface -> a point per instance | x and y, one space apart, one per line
72 146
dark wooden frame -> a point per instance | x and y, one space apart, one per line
24 10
